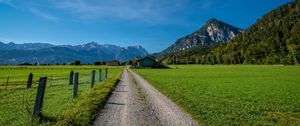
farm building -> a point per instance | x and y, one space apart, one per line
145 62
113 63
148 62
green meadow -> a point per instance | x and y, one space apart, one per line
57 75
232 94
16 102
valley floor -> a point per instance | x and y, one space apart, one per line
232 94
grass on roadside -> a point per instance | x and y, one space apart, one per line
84 110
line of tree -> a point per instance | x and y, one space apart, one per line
77 62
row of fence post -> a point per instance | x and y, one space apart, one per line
37 112
102 76
93 76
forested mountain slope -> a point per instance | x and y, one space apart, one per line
273 39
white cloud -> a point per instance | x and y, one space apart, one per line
142 10
43 14
138 10
153 11
145 11
7 2
31 7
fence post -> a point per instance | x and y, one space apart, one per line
100 74
76 85
93 78
71 78
106 73
7 82
29 82
37 111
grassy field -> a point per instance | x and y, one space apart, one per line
18 74
16 102
232 94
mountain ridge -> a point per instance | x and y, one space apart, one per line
24 46
58 54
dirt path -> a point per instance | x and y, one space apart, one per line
136 103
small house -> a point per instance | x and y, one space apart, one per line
113 63
145 62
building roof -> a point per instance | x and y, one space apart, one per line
147 57
112 61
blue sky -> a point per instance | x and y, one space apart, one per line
153 24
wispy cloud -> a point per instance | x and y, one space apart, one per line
149 11
141 10
137 10
43 14
31 7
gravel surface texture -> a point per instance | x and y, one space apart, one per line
134 102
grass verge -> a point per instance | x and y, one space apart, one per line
85 109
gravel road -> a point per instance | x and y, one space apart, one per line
136 103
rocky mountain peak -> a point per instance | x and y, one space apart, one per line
212 32
219 31
213 21
91 45
11 43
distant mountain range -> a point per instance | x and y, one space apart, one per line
25 46
212 32
43 53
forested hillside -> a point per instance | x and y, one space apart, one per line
273 39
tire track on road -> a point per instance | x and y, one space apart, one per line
136 103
